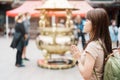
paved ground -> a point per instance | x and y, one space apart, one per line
31 72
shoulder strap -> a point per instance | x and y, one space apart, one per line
95 74
105 51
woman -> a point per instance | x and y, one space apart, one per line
18 40
119 38
91 61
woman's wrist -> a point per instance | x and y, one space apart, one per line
76 56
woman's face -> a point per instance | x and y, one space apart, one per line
88 26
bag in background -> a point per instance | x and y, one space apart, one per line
16 39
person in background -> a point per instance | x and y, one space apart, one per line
27 29
113 29
79 23
91 60
119 37
61 23
18 39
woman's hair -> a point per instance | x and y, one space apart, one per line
100 23
19 16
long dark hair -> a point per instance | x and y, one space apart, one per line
100 23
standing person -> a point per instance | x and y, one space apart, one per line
119 37
92 58
18 39
27 29
61 23
113 29
79 23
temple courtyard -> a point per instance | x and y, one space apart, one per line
31 71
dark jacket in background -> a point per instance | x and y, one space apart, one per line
18 38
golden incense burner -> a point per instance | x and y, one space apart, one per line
54 39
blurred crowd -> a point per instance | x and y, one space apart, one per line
78 25
81 38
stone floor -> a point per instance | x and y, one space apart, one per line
8 71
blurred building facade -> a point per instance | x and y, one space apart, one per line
111 6
4 6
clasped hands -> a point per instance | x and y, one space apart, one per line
75 52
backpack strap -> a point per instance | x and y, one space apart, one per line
95 74
105 51
103 46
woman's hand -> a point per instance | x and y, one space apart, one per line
75 52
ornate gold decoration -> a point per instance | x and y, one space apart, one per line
43 22
57 63
69 22
54 39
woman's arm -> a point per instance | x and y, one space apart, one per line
86 68
23 31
